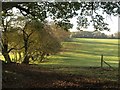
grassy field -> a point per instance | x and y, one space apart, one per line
82 56
77 65
86 52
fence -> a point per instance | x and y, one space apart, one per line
104 62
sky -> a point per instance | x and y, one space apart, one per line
111 20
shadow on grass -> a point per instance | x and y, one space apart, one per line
92 41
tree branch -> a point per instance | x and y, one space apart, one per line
15 49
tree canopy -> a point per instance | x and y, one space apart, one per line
61 12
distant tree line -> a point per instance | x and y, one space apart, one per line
94 34
117 35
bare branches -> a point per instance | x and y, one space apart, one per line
15 49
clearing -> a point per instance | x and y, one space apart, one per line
77 65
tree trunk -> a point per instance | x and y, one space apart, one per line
118 65
119 73
102 61
4 41
26 57
5 53
26 60
20 56
7 58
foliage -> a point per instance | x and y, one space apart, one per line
88 34
61 12
59 32
45 43
117 35
34 39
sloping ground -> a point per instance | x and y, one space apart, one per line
30 76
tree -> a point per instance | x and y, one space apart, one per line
66 10
46 42
117 35
35 39
6 24
61 12
23 33
60 33
28 31
14 43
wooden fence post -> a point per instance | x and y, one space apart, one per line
102 61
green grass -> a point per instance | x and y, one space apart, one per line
79 54
86 52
